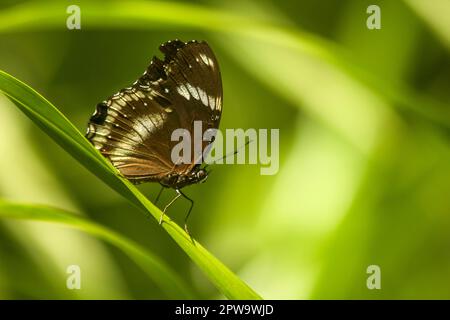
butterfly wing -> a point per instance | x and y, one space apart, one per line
194 76
133 128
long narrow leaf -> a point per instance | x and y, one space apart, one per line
50 120
156 269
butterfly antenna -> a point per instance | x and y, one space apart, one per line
229 154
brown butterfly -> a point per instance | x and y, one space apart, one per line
133 127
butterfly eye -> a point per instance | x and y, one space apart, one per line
201 175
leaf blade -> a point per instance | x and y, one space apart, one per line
154 267
59 128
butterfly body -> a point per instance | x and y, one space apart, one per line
178 181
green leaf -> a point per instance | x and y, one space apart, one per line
154 267
151 15
435 14
53 122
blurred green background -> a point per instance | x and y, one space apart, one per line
364 173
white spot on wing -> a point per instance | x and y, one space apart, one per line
203 96
219 103
102 131
193 92
140 94
146 125
204 58
99 141
212 102
182 90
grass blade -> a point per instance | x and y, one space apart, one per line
156 269
53 122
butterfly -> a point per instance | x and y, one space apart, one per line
133 127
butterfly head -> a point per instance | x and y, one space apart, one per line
197 175
178 181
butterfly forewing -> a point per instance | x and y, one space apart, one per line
133 128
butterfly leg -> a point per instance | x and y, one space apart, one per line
189 212
168 205
159 194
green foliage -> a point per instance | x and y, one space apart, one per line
364 154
